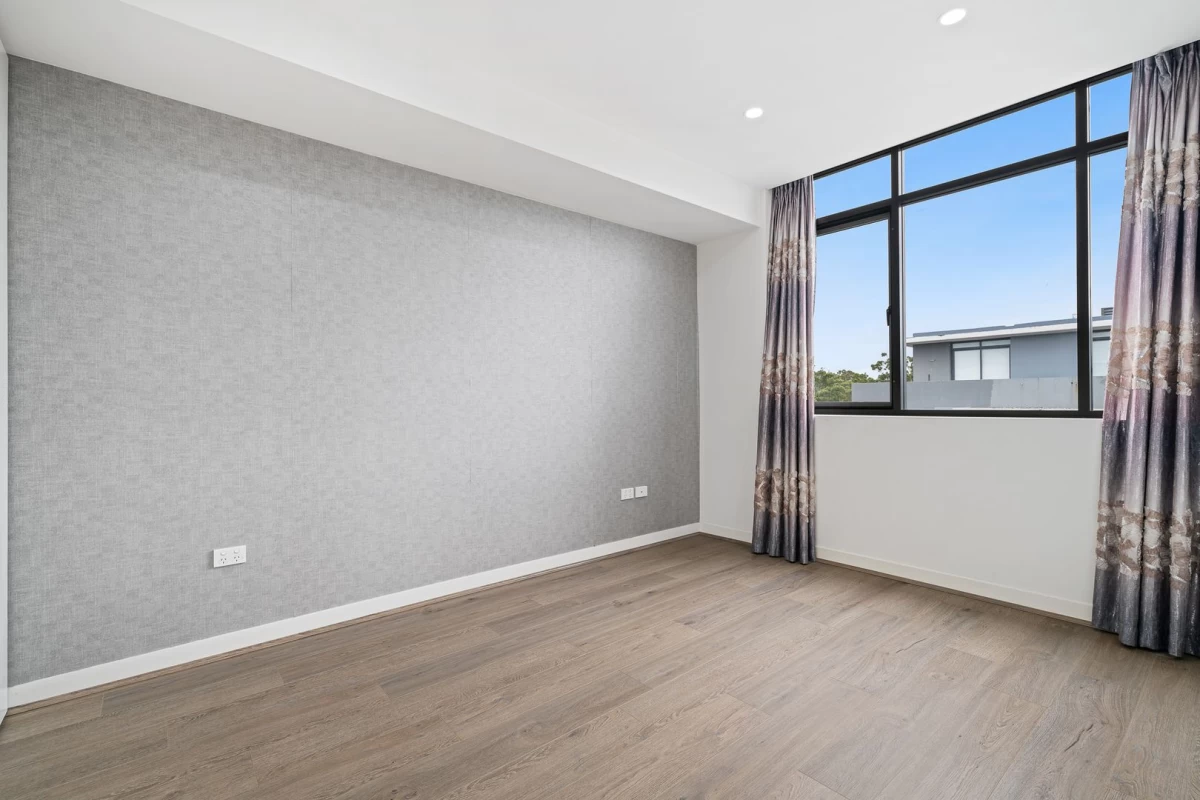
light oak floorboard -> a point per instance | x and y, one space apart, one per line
1069 752
1160 754
691 669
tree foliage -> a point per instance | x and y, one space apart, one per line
836 386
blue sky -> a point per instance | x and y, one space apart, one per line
997 255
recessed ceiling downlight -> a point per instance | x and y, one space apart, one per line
953 16
753 113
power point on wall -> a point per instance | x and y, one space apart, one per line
627 494
641 491
228 556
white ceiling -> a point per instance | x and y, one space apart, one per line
627 109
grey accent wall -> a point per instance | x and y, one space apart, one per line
4 379
374 377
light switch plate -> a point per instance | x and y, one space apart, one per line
641 491
228 556
627 494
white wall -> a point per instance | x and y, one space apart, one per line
731 295
1003 508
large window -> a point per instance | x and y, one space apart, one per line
1007 139
999 256
854 186
852 363
972 271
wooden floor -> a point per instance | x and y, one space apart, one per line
690 669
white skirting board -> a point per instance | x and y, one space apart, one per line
726 533
1005 594
133 666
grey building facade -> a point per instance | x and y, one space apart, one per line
1028 365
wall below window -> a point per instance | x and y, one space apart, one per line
374 377
1004 508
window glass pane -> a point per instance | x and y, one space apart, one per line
850 332
966 365
995 363
1108 107
998 260
1030 132
851 188
1107 189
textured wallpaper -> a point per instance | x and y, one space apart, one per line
373 376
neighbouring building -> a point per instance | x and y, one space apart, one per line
1028 365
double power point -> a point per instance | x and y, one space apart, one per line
228 556
638 491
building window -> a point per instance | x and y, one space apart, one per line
1100 351
981 360
991 233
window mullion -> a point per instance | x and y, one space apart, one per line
1083 260
896 285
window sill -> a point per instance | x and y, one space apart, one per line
866 409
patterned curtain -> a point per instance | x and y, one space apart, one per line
784 508
1148 544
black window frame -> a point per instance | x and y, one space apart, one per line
891 210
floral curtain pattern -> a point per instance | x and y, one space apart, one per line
784 507
1147 586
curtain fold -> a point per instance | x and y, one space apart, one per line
1148 542
784 507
